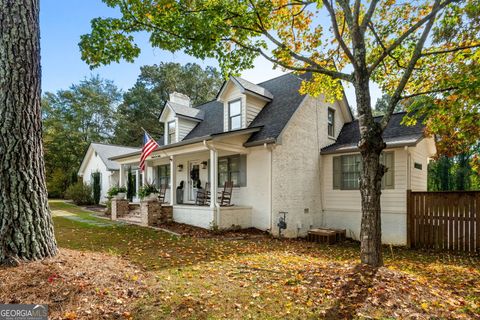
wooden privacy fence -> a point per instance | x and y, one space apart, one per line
444 220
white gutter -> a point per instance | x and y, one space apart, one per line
409 168
269 147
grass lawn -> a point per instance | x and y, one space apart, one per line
264 278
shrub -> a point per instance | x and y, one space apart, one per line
79 193
146 190
97 188
108 210
113 191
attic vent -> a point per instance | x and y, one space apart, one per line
180 98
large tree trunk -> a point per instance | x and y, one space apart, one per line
26 229
371 145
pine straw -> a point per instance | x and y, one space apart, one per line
75 285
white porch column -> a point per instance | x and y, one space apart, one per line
213 177
173 181
121 178
145 173
137 182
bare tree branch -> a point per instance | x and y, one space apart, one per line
451 50
356 11
336 31
368 15
314 68
417 52
427 92
407 33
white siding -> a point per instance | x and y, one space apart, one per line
420 154
184 127
254 106
296 166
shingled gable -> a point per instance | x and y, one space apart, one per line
105 152
395 135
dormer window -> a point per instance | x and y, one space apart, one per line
235 114
331 123
171 131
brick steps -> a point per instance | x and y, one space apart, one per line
145 213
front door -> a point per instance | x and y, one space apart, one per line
193 179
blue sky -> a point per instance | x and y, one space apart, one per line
63 21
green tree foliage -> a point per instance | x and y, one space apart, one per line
381 106
143 103
454 173
72 119
407 48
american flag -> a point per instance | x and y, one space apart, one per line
149 145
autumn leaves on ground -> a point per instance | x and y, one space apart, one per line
107 270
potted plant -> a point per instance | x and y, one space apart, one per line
148 191
117 192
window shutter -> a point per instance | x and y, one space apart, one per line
337 172
388 179
243 170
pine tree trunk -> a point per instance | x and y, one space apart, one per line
371 145
26 229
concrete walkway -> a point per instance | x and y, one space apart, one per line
92 222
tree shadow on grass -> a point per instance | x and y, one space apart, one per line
352 293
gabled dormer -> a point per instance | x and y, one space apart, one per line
242 101
179 117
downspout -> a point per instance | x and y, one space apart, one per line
213 197
270 189
409 169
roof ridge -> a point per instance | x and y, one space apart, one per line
114 145
202 104
282 75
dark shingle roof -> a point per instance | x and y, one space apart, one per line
212 122
272 118
395 134
255 88
186 111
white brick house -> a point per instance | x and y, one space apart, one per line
280 149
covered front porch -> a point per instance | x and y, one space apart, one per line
187 169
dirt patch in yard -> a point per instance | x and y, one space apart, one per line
76 285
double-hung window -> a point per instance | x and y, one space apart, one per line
331 122
171 131
347 168
232 168
235 115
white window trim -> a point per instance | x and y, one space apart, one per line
168 131
333 123
240 114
